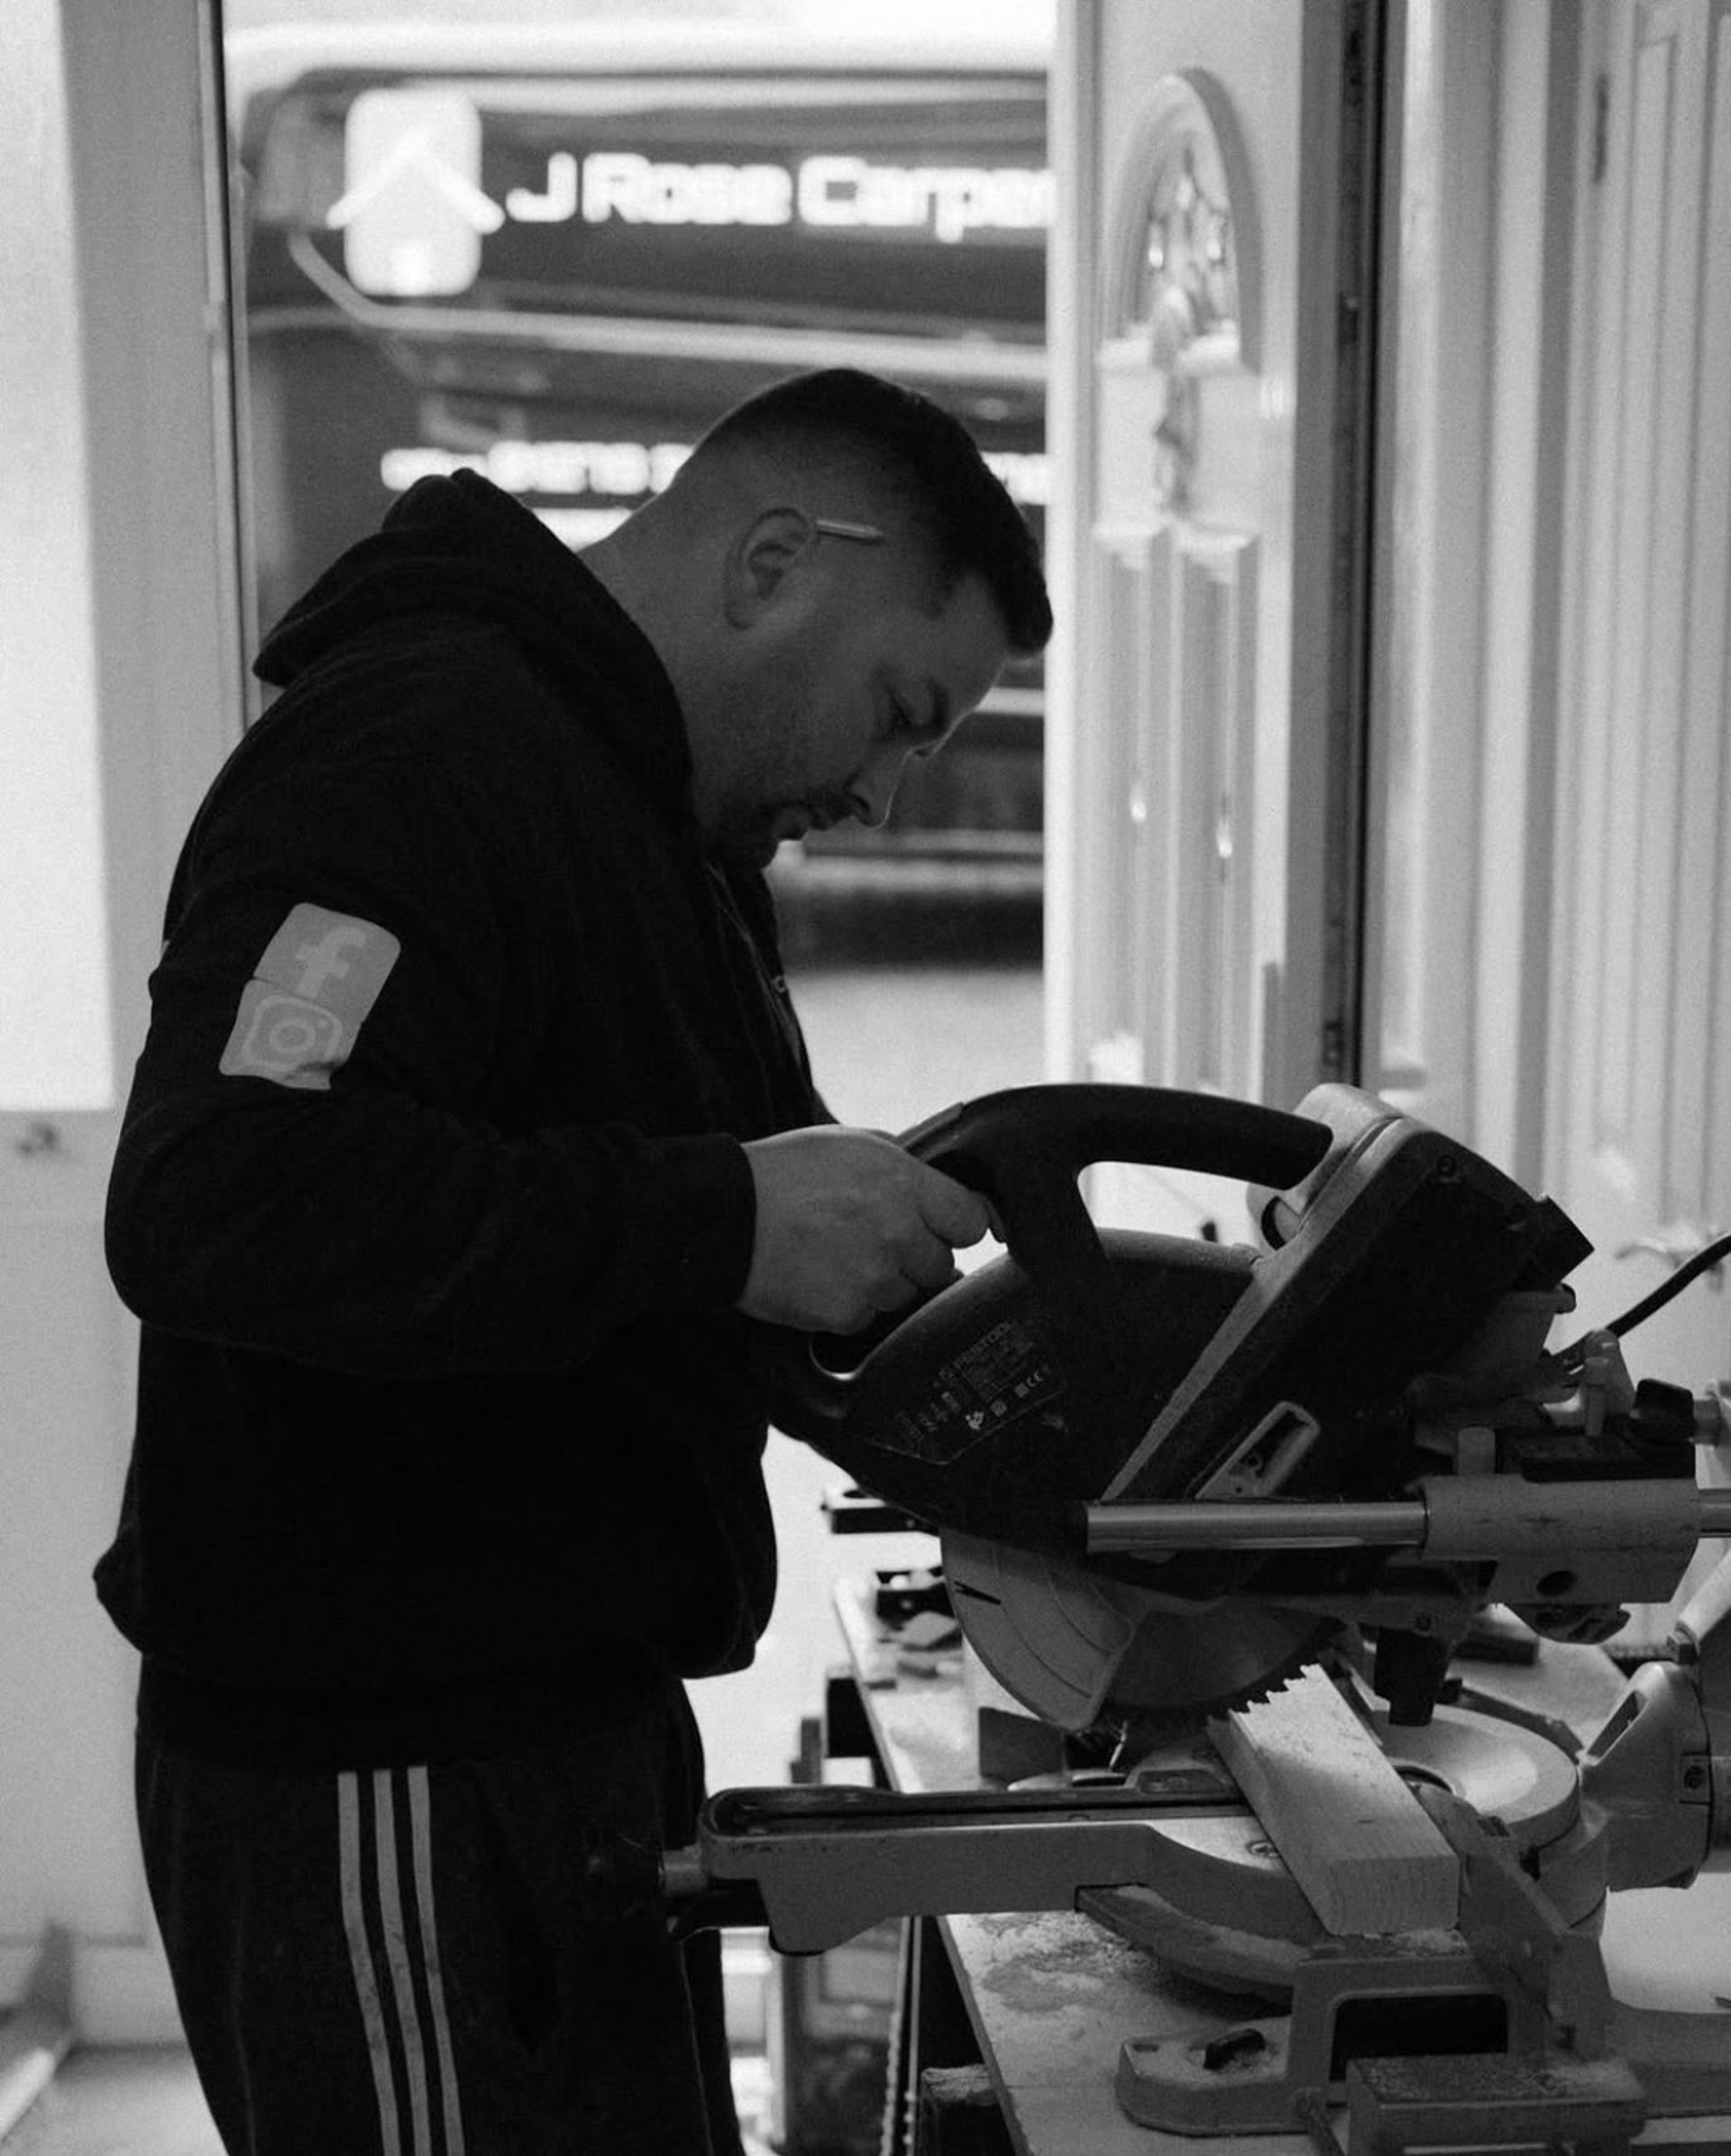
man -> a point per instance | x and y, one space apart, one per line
473 1124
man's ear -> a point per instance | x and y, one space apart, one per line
772 548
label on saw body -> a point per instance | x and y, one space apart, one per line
1004 1374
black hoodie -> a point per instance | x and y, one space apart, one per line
430 1192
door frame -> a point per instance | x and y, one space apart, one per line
153 494
1671 1136
1306 1006
1473 513
1071 967
1517 118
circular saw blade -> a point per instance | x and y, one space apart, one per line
1186 1665
1078 1647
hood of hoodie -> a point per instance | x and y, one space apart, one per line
462 545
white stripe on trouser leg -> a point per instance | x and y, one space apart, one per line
402 1981
366 1985
421 1822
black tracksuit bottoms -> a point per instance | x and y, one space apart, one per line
409 1961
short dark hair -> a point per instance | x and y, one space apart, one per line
932 466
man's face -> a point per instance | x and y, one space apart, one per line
832 707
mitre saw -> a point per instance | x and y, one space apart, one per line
1169 1473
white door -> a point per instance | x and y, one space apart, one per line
1207 334
1641 1111
118 673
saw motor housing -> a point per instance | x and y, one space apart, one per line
1386 1339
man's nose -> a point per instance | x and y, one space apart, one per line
874 785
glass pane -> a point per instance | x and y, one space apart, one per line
551 243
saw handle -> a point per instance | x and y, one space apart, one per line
1023 1150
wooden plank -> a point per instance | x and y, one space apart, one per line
1353 1834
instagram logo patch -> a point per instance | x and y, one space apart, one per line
286 1033
298 1016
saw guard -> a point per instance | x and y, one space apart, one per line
1052 1634
1078 1647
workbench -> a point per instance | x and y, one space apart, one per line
1045 2001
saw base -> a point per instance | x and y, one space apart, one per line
1394 1998
1298 2004
1421 2033
1271 2074
1408 2032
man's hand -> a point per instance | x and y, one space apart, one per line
850 1225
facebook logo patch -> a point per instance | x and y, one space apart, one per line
299 1014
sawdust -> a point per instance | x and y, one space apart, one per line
1054 1960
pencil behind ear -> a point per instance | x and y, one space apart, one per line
769 550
